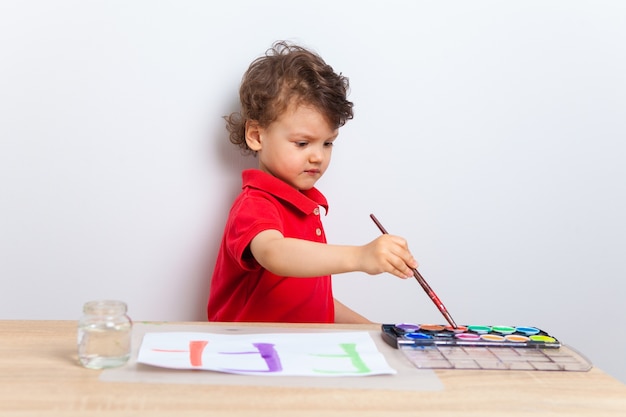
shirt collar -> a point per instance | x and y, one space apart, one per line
305 200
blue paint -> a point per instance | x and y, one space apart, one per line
528 331
417 336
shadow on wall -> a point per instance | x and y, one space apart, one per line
231 162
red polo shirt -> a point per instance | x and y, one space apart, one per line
242 290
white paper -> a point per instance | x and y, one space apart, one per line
272 354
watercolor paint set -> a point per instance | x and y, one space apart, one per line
434 346
472 335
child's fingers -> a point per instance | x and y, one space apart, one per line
391 254
399 268
406 262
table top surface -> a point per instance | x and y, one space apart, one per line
40 376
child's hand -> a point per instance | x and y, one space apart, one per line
388 253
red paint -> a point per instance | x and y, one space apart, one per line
196 347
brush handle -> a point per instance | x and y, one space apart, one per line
423 283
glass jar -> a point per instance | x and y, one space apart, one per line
104 334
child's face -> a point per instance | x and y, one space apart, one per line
296 147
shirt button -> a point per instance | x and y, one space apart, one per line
316 211
318 231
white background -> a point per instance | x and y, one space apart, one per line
491 135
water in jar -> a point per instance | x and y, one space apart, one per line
104 335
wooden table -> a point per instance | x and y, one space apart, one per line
40 376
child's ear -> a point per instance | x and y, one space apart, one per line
253 135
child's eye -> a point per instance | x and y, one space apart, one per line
301 144
328 144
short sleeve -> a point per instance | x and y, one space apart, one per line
251 215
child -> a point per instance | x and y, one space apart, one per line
274 264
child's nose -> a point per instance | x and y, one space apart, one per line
316 155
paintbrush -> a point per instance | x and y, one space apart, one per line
423 283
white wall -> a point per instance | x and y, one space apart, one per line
489 134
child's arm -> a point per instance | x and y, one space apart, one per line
303 258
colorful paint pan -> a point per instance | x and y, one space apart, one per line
542 338
432 327
479 329
516 338
407 327
492 337
503 329
467 336
528 331
417 336
458 329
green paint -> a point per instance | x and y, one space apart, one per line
503 329
350 353
541 338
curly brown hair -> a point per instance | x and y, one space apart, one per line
288 72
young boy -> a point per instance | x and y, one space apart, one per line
274 264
